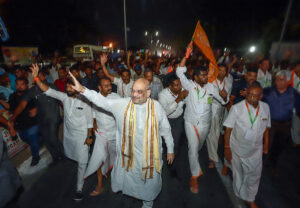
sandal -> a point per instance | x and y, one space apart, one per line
96 193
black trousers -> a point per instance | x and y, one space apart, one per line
280 138
49 132
177 129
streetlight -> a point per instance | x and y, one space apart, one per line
110 45
252 49
156 33
146 33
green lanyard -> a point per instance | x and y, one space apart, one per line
198 94
250 116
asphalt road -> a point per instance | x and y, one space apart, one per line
56 187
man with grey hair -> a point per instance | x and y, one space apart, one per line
282 100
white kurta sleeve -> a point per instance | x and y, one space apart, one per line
186 84
231 118
165 130
169 107
56 94
98 99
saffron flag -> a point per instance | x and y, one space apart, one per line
201 41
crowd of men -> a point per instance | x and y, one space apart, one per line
124 107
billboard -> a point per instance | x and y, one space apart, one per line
22 55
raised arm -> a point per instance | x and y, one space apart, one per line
186 84
129 54
103 60
94 97
35 72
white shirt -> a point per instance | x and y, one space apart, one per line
167 99
199 100
124 90
105 120
265 80
54 73
164 70
238 119
78 119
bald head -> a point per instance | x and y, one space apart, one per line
140 91
142 82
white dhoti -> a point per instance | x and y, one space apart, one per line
246 175
196 135
295 130
104 152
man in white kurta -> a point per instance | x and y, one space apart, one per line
197 115
246 139
218 109
130 181
78 124
104 151
263 76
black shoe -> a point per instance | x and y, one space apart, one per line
78 196
35 161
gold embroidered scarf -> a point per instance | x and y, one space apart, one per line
151 158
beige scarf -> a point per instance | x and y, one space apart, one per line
151 142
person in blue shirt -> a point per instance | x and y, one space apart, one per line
239 88
282 100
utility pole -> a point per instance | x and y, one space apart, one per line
125 25
284 27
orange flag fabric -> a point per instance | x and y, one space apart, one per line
201 41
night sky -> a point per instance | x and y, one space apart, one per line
58 24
